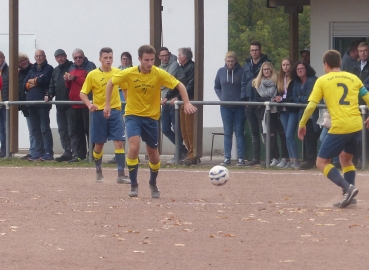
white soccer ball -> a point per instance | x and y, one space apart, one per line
218 175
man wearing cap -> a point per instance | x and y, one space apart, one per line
305 55
64 113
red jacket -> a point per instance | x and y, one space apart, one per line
75 86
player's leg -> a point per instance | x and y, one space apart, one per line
346 156
150 137
98 137
116 134
133 128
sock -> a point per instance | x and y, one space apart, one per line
154 171
132 165
98 160
349 174
120 157
334 175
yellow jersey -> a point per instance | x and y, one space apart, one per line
96 82
144 90
340 91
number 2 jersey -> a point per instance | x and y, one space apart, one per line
341 91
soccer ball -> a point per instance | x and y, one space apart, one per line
218 175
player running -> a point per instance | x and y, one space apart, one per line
143 111
340 91
102 128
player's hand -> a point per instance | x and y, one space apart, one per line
107 112
92 107
301 133
189 108
162 102
366 122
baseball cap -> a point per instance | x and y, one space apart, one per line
59 52
305 50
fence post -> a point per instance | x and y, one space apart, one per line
363 138
7 128
176 131
267 139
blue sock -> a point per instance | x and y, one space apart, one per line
121 160
335 176
349 174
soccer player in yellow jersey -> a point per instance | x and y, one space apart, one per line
102 128
340 91
143 95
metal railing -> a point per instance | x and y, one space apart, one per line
177 104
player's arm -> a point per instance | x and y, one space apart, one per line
305 117
108 91
87 101
188 107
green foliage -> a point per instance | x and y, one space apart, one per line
251 20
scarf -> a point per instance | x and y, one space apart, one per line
267 88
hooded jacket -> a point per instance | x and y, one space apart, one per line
227 84
175 70
348 64
42 74
75 86
57 85
248 92
5 87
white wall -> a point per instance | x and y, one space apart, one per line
324 12
124 26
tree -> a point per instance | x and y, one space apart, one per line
251 20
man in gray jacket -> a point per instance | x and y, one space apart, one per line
349 59
170 65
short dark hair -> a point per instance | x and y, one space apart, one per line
309 70
146 49
106 50
332 58
356 43
163 49
256 43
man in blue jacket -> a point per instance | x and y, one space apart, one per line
36 84
249 93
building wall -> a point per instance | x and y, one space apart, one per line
124 26
324 12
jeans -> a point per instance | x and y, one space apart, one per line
32 142
335 160
3 129
233 121
68 139
290 123
168 123
40 126
254 120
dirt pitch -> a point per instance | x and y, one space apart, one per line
59 218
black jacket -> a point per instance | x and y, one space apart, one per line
248 92
5 88
22 73
188 81
57 87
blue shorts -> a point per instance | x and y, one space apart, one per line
334 144
145 127
103 129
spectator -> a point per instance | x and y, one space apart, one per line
74 81
288 115
228 88
107 126
169 64
125 62
24 67
64 113
36 84
187 120
349 59
361 69
249 93
143 112
305 55
304 79
4 72
266 86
